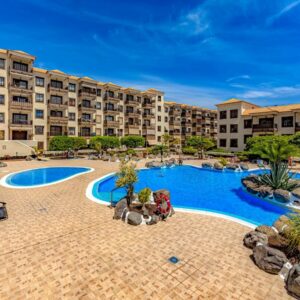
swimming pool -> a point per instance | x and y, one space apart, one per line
198 189
42 176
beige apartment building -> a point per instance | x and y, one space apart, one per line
238 120
37 104
185 121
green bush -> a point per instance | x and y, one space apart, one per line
144 195
131 152
243 155
63 143
133 141
189 150
106 142
223 161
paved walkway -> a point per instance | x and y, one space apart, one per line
57 244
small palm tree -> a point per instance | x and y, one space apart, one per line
201 144
98 148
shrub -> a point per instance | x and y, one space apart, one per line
133 141
223 161
293 233
144 195
189 150
106 142
131 152
243 155
63 143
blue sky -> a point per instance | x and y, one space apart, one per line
197 52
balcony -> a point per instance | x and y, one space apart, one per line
148 115
57 133
86 122
297 127
148 130
111 124
20 123
175 123
263 128
133 125
56 89
135 113
148 105
58 120
57 105
20 105
92 93
24 72
111 99
132 102
112 110
87 108
21 89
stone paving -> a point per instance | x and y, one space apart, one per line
57 244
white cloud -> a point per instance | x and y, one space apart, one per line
283 11
238 77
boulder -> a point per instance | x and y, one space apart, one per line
244 166
28 158
267 230
269 259
153 220
120 208
156 164
218 166
282 224
264 191
293 281
296 193
254 237
232 166
134 218
278 241
250 186
282 195
207 165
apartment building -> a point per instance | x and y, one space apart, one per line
238 120
185 121
37 104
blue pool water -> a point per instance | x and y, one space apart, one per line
43 176
196 188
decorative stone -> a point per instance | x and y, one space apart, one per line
119 209
250 186
134 218
218 166
267 230
281 195
232 166
269 259
264 191
296 192
254 237
244 166
293 281
278 241
207 165
282 224
153 220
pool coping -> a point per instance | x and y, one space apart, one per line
4 183
90 196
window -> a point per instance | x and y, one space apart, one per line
159 108
98 92
56 84
72 102
20 119
287 122
159 118
21 99
2 119
98 105
159 98
246 137
71 131
2 137
223 114
39 81
2 99
139 99
72 116
233 128
56 99
72 87
39 114
223 128
2 81
159 128
39 97
166 119
86 117
233 143
20 66
248 123
56 113
56 130
233 114
222 143
2 63
159 138
86 131
22 84
120 96
39 129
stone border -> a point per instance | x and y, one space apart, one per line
3 180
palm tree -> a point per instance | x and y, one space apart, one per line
200 143
98 148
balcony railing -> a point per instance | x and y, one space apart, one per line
84 121
87 93
62 89
148 105
108 123
20 105
58 120
85 107
263 128
27 72
135 113
113 110
20 123
20 88
148 115
62 105
132 102
112 99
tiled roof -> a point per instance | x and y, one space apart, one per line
235 100
272 109
39 70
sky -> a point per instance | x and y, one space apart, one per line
197 52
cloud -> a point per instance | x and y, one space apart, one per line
238 77
283 11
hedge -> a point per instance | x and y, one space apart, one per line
63 143
133 141
106 142
189 150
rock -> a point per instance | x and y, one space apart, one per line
153 220
269 259
218 166
250 186
293 281
296 193
281 195
264 191
232 166
278 241
244 166
134 218
207 165
267 230
254 237
28 158
282 224
149 164
156 164
119 209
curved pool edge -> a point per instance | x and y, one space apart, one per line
3 180
90 196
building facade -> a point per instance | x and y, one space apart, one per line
37 104
238 120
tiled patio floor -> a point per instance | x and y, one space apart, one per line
57 244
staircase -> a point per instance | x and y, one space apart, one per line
16 148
